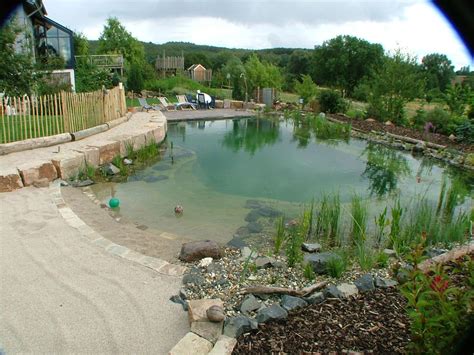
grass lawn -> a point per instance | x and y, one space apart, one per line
16 128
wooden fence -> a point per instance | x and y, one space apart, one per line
40 116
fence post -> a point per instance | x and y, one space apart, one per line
64 112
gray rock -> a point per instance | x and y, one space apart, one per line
332 292
267 211
82 183
183 294
252 216
210 331
432 252
249 304
315 298
155 178
236 326
193 251
290 302
278 264
347 290
254 227
63 183
418 148
319 261
194 279
365 283
385 283
311 247
242 232
161 167
253 204
221 283
215 313
111 169
246 252
264 262
274 312
390 252
127 161
179 300
236 243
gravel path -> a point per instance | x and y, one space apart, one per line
59 293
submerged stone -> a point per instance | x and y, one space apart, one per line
254 227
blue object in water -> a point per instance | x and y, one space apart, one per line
114 202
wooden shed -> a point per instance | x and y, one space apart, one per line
199 73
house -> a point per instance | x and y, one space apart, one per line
199 73
40 36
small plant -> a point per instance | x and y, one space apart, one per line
327 222
438 310
381 222
395 223
308 272
87 171
279 236
295 238
336 266
118 162
365 257
382 259
359 220
246 266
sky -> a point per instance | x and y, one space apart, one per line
414 26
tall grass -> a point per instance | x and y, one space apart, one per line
328 219
359 213
337 265
279 235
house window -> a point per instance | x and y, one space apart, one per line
53 40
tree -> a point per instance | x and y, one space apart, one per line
438 71
344 61
260 74
116 39
306 89
234 69
298 64
135 78
16 70
81 44
197 58
397 82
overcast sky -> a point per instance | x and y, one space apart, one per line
415 26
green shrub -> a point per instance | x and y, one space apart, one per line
465 132
135 80
440 119
356 114
330 101
336 266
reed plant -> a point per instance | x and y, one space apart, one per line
366 258
359 213
328 219
337 265
279 238
381 222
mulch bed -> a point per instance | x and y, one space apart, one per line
371 322
406 132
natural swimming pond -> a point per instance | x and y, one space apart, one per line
233 177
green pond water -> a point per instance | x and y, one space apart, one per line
220 171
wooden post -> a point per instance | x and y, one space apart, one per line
56 116
2 100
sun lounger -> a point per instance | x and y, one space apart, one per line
167 105
145 106
184 103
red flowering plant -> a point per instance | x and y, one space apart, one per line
435 307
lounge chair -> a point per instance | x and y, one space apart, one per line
145 106
167 105
183 102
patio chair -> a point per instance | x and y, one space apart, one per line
145 106
184 103
167 105
201 101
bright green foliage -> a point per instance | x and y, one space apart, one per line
330 101
116 39
16 70
343 62
439 311
457 99
336 266
306 88
397 82
381 222
279 236
327 221
308 272
90 78
438 71
81 44
135 81
296 237
366 258
261 74
235 70
359 212
299 64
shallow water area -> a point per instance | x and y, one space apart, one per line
234 177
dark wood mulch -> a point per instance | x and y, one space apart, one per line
371 322
406 132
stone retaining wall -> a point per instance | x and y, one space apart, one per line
67 160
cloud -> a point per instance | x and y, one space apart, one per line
414 26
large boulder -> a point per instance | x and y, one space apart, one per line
319 261
193 251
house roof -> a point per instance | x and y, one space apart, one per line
35 7
195 66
